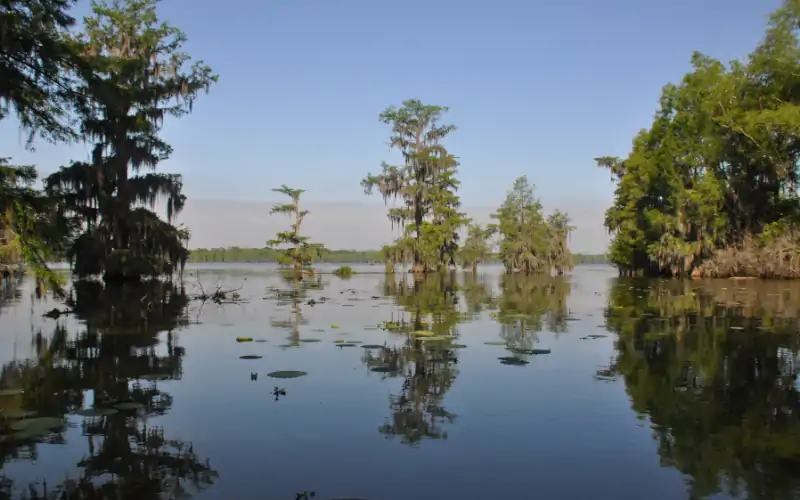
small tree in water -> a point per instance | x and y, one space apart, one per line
300 254
136 75
558 231
476 248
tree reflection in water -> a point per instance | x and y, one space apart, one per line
713 366
295 291
428 369
115 359
529 305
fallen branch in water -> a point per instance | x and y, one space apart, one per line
219 296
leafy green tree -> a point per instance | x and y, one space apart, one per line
37 66
137 75
300 252
711 187
522 230
426 183
476 248
558 231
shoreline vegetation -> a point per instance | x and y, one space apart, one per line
708 190
241 255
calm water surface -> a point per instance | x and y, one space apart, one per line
651 389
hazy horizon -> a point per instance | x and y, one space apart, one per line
343 225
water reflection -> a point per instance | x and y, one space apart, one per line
427 365
295 291
108 374
713 366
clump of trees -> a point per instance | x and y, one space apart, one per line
425 183
429 213
529 243
710 189
295 249
120 77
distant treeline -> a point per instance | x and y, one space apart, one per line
237 254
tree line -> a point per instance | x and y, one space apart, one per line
710 188
426 185
110 85
270 255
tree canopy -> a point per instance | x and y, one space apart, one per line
710 188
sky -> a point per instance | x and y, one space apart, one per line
535 88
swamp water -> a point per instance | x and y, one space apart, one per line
582 387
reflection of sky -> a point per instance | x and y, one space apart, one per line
548 430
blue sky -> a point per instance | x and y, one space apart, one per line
537 88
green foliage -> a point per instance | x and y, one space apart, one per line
37 65
136 74
237 254
344 271
425 183
717 167
30 233
300 253
529 244
477 248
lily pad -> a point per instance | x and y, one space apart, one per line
37 423
259 340
129 406
10 392
310 341
97 412
435 338
423 333
16 415
250 356
355 342
287 374
244 339
530 351
346 344
372 346
597 336
286 346
335 326
383 369
513 361
495 342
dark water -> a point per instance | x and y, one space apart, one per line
652 389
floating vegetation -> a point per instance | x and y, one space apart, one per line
513 361
529 351
250 356
372 346
355 342
129 406
287 374
338 341
334 325
383 369
423 333
16 415
495 342
310 341
10 392
596 336
97 412
43 423
244 339
346 344
435 338
260 340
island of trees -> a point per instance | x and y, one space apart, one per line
710 189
